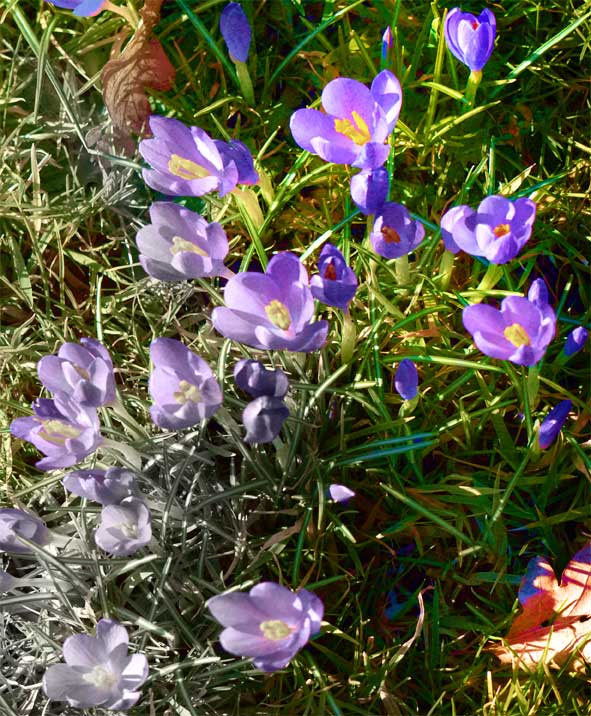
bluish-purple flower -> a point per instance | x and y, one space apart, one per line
15 523
182 386
98 670
340 493
470 39
335 283
82 8
386 42
497 230
65 433
107 487
186 161
271 311
270 624
519 332
252 377
179 244
82 373
395 233
406 379
263 419
355 124
369 190
235 30
575 340
553 422
124 528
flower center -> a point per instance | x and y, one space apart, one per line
475 24
275 629
101 678
81 371
179 244
185 168
501 230
57 432
517 335
391 236
278 314
187 393
330 272
129 529
356 129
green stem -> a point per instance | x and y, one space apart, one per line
402 270
245 82
490 279
471 88
445 270
348 338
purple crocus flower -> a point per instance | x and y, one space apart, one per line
270 624
107 487
497 230
187 162
98 670
252 377
83 373
394 232
65 433
335 283
369 190
519 332
271 311
575 340
340 493
179 244
124 528
355 123
553 422
182 386
470 39
235 30
82 8
386 42
15 523
406 379
263 418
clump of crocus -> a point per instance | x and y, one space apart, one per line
553 422
406 379
355 124
395 233
82 372
271 311
107 487
98 670
264 416
15 523
125 527
340 493
470 39
182 386
82 8
252 377
519 332
497 230
235 30
186 161
369 190
270 624
65 432
575 340
180 244
335 283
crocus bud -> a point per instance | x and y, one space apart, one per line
406 379
235 30
335 283
575 340
252 377
339 493
263 418
470 39
369 190
553 422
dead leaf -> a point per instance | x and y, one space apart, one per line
142 65
555 622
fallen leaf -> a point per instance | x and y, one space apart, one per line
555 622
142 65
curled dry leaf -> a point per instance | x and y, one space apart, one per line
555 622
142 65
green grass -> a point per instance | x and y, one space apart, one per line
456 515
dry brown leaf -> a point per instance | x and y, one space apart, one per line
142 65
555 622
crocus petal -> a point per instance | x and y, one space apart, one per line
235 30
553 422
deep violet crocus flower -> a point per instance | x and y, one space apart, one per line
394 232
575 340
82 8
553 422
263 419
235 30
335 283
406 379
355 124
270 624
186 161
83 373
107 487
470 39
179 244
15 523
497 230
369 190
65 434
340 493
252 377
519 332
182 386
125 527
98 670
271 311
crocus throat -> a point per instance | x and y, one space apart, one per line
356 129
275 629
187 393
129 530
101 678
278 314
179 244
185 168
475 24
57 432
501 230
391 236
517 335
330 272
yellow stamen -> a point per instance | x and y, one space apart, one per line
185 168
391 236
179 244
278 314
517 335
501 230
357 130
187 393
57 432
275 629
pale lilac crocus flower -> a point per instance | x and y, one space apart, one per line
263 419
107 487
340 493
15 523
124 528
252 377
395 233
